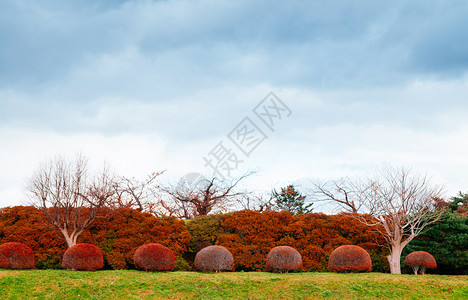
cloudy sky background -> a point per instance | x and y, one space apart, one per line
155 85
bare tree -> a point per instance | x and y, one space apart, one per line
344 192
68 196
399 201
256 202
200 199
133 193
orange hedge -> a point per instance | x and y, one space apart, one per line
118 235
249 235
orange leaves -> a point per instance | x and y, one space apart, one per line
118 235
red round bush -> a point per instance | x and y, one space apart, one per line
83 257
214 258
349 258
283 259
154 257
16 256
420 260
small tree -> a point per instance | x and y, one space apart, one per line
459 204
291 200
420 261
69 198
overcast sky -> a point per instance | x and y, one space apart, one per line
157 85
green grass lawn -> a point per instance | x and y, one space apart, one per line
61 284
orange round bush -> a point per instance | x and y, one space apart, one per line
283 259
154 257
16 256
349 258
214 259
83 256
420 260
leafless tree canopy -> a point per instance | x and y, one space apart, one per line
202 198
133 193
256 202
401 201
345 192
68 196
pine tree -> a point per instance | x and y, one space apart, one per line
291 200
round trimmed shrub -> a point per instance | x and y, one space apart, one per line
283 259
214 259
420 260
84 257
349 258
154 257
16 256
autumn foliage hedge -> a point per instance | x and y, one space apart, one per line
214 259
118 235
86 257
16 256
283 259
248 235
154 257
420 260
349 258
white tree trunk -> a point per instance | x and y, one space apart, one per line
394 259
70 238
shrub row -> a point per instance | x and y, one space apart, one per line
156 257
248 235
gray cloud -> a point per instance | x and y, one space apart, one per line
199 44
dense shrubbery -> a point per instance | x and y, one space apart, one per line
214 259
420 260
118 235
16 256
349 258
283 259
125 230
86 257
248 235
447 241
21 224
154 257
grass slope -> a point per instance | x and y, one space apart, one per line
61 284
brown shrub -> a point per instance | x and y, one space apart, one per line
16 256
349 258
214 258
85 257
154 257
283 259
420 260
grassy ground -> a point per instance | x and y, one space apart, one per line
61 284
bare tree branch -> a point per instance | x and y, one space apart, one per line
203 197
69 198
403 203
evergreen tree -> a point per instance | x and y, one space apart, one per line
291 200
447 241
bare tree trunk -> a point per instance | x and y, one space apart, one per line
70 239
394 259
